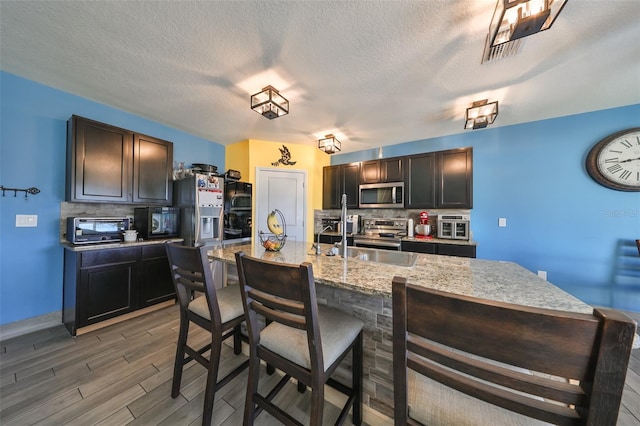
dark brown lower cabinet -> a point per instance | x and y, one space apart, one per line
156 283
459 250
106 283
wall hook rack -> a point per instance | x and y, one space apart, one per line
33 191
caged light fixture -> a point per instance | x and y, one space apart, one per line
514 19
269 103
481 114
329 144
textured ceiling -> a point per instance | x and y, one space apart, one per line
372 72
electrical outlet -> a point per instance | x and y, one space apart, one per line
26 220
502 222
542 274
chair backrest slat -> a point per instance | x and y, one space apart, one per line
285 305
559 367
491 371
279 316
539 409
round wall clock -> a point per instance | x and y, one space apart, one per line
614 162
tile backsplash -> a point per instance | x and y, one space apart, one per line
414 214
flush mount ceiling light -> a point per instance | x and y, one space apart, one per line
514 19
329 144
269 103
481 114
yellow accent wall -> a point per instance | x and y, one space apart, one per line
247 155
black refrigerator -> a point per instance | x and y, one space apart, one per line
237 212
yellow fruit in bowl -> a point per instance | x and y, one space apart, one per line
273 223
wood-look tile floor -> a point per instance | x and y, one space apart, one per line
121 375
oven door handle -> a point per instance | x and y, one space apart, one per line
377 243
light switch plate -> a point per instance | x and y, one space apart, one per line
502 222
26 220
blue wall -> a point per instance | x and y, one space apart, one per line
558 219
533 174
32 153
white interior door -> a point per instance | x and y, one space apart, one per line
283 190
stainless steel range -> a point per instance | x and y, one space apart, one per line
381 233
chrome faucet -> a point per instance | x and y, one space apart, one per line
343 221
317 244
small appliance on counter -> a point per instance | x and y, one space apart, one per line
353 224
454 226
331 222
92 230
156 222
423 229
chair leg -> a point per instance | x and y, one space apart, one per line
212 378
237 342
356 384
317 404
179 361
252 389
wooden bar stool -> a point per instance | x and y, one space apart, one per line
463 360
218 311
303 340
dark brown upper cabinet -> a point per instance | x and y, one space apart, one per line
338 180
455 178
383 170
442 179
108 164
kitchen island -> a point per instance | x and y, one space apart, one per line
363 288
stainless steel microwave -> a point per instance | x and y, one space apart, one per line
381 195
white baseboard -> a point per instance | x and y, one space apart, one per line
29 325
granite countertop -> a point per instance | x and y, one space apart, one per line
102 246
494 280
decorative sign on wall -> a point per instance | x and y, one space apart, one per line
285 158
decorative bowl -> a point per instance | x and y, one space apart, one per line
271 242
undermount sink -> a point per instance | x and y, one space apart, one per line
389 257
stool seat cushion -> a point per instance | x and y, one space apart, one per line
229 303
337 331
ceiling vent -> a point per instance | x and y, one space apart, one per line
492 53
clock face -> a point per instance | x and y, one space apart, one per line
615 161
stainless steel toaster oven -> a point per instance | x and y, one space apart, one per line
89 230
